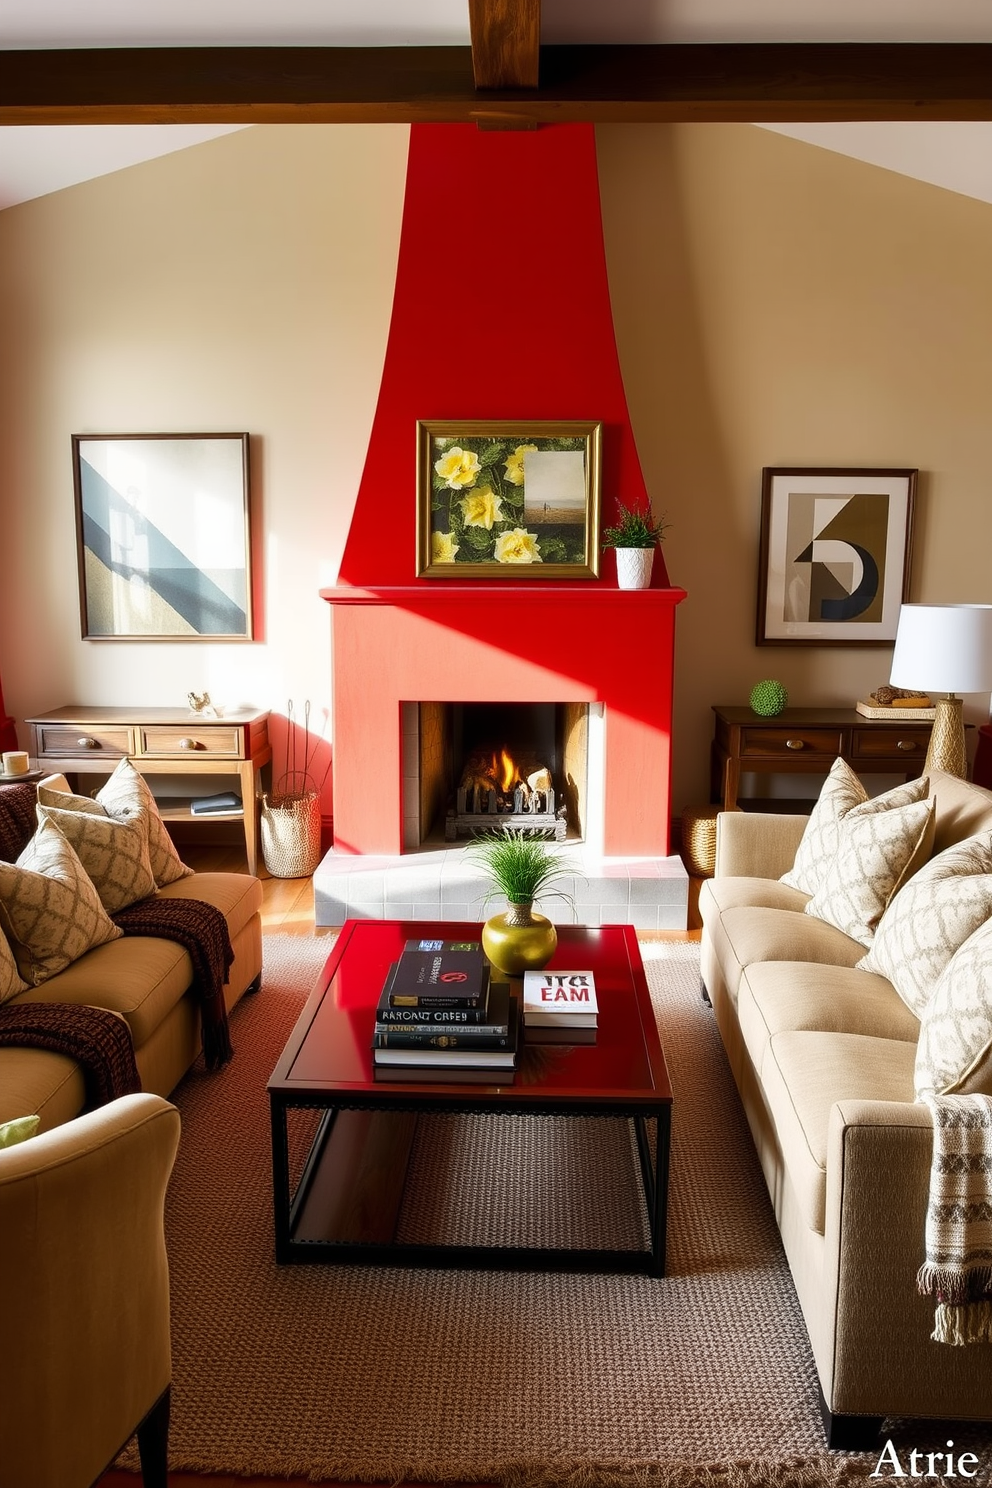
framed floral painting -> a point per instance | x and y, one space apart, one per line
503 499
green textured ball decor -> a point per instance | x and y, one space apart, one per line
768 698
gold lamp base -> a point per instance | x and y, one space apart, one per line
947 748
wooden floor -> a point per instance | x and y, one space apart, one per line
287 908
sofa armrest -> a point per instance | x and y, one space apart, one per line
884 1361
753 844
85 1288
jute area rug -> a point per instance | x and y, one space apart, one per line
522 1380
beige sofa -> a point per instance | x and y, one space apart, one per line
823 1055
147 981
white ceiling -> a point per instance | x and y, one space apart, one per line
36 161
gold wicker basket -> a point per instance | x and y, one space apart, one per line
699 840
290 829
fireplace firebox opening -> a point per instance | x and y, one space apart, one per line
470 767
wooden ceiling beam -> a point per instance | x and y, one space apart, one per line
619 84
506 42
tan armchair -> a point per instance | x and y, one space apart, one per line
84 1296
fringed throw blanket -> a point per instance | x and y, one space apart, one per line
99 1042
200 929
958 1267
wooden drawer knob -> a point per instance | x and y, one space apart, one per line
793 743
187 743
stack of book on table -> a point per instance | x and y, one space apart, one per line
560 1007
439 1014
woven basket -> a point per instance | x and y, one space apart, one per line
699 840
290 829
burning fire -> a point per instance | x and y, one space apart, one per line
505 770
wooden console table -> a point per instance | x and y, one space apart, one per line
806 741
161 741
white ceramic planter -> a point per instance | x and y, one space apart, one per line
634 567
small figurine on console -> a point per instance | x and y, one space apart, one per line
200 704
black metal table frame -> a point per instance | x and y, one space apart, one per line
289 1206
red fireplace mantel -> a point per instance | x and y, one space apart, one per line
501 311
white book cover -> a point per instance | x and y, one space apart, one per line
560 997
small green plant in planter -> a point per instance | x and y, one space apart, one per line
634 535
634 528
521 867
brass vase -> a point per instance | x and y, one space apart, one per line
519 940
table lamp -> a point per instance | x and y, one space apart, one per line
948 649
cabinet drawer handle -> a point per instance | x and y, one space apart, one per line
88 743
907 744
187 743
794 744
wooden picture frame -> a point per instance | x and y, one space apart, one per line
834 557
163 536
508 499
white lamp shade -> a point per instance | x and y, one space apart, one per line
943 648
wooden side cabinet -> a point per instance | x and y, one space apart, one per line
806 741
77 740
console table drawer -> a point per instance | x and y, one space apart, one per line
186 741
890 743
788 742
67 741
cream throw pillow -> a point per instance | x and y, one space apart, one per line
842 793
931 917
114 853
125 797
49 911
842 790
10 981
954 1053
877 852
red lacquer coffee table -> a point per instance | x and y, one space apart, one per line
345 1205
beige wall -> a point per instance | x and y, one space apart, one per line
779 304
245 284
775 304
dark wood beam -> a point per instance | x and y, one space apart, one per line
506 42
621 84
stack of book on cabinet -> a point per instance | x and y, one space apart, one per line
560 1007
439 1015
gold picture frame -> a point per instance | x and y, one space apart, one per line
510 499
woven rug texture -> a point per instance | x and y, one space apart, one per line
703 1379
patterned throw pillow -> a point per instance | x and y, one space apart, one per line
931 917
49 911
114 853
842 793
18 1130
877 852
842 790
124 797
954 1054
10 981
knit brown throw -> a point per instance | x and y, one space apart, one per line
200 929
17 819
99 1041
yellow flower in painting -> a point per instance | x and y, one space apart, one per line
458 468
481 508
515 464
443 547
518 546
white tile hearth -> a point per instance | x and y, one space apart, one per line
441 884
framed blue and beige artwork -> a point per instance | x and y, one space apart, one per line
834 562
163 536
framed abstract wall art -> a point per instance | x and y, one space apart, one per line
835 551
163 536
508 499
